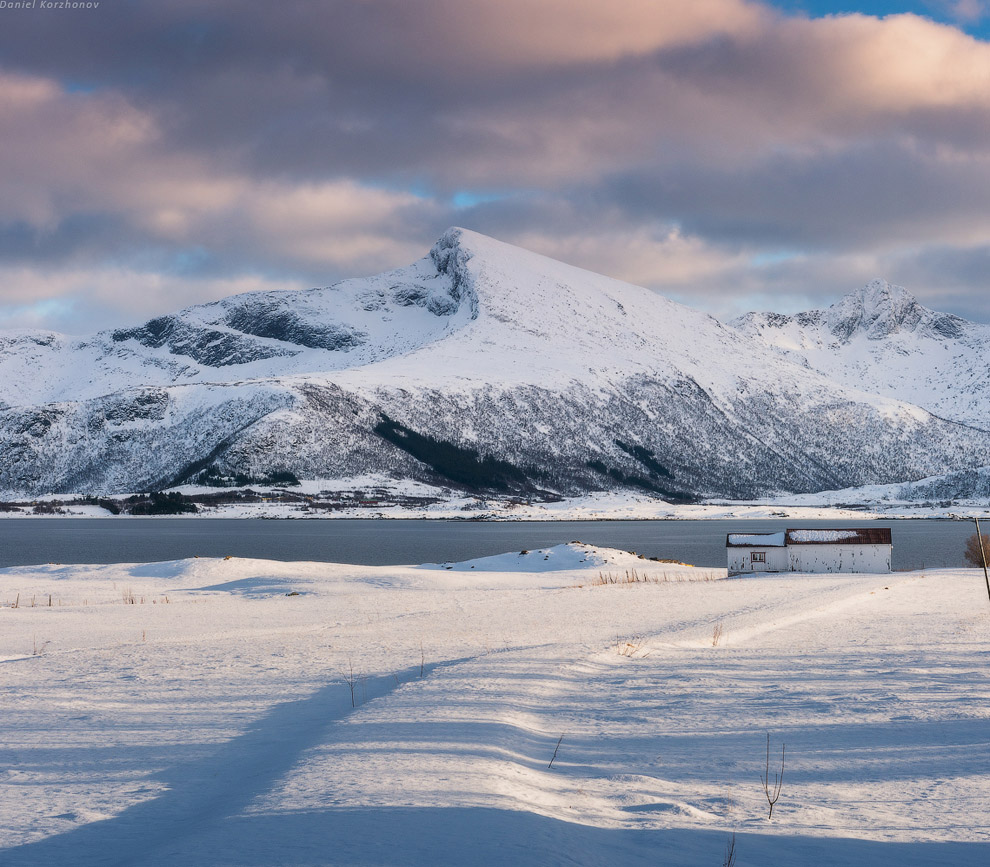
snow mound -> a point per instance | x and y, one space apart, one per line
573 555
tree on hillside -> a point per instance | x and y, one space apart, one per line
972 552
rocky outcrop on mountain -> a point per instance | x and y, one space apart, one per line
881 309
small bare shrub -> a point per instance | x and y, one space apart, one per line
972 552
716 634
772 791
730 851
351 678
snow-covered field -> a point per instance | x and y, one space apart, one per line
199 712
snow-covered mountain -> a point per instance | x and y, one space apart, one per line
482 365
879 338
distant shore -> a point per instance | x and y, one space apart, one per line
594 507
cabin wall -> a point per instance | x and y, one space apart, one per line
839 558
740 560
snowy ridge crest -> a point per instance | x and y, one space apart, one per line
879 338
876 311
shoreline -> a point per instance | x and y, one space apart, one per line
967 513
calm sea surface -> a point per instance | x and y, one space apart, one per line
25 541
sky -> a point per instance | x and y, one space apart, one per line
730 154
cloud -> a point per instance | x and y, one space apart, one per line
86 300
680 145
872 196
515 90
80 166
967 11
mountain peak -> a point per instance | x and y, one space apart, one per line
877 310
880 293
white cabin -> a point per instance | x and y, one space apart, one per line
864 549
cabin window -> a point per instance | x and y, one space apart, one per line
759 557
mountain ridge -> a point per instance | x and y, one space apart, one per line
478 355
880 338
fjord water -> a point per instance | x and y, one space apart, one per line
25 541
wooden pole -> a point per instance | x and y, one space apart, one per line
983 554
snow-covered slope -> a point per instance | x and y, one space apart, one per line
482 365
249 336
879 338
252 713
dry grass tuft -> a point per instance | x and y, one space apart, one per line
631 647
634 576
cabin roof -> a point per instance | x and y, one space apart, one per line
853 536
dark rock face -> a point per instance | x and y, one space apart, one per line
946 325
13 343
207 346
451 260
142 405
275 322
